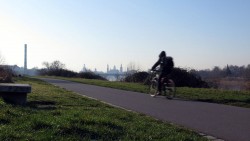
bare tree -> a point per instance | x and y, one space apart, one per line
247 72
133 67
46 65
55 68
56 65
5 72
1 59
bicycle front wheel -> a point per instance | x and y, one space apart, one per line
153 88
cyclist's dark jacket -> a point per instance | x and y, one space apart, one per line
166 64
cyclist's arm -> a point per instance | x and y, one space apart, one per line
156 64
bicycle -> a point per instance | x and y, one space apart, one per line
168 85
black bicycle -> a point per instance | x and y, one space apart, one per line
168 85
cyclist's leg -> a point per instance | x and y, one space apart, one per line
160 83
162 75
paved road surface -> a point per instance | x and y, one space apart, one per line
224 122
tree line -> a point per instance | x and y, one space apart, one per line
227 71
56 68
182 77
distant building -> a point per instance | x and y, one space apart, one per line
84 69
107 68
121 69
114 70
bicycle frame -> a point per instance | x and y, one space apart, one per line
168 85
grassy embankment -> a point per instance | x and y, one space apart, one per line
228 97
53 113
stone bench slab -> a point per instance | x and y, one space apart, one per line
15 93
19 88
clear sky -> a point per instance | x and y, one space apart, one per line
198 34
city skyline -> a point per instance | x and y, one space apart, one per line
109 69
197 34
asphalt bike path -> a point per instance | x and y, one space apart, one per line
224 122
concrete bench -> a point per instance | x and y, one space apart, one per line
14 93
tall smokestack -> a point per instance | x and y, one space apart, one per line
25 58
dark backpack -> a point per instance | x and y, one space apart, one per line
167 64
170 63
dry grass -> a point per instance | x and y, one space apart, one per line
238 84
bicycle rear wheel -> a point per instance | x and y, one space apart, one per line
170 89
153 88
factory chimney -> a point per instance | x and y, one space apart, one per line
25 58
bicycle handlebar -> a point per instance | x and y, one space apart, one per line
155 70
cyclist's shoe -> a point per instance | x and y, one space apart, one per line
158 93
153 95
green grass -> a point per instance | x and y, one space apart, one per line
235 98
52 113
228 97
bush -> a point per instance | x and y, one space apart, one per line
90 75
183 78
58 72
138 77
5 74
69 73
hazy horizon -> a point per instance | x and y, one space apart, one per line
197 34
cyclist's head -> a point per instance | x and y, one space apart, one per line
162 54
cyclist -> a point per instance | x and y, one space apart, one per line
166 65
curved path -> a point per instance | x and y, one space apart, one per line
224 122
